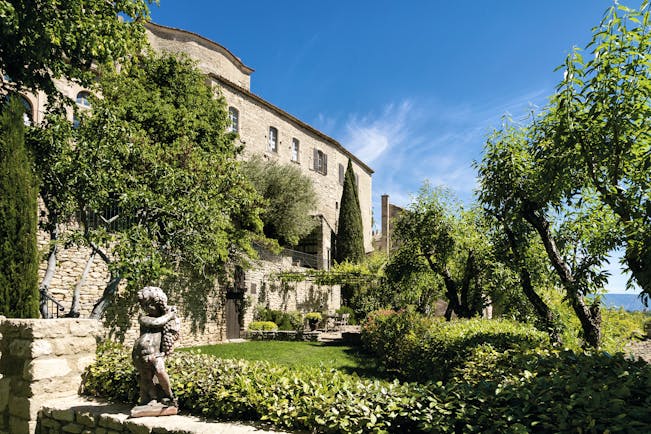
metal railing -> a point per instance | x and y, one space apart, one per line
50 307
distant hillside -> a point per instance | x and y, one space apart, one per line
629 302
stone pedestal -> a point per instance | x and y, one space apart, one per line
41 359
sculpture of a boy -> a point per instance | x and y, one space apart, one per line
159 330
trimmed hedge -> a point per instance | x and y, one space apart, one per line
263 325
538 390
425 349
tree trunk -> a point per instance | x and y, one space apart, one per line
107 295
543 312
590 318
74 306
640 268
44 289
111 288
469 273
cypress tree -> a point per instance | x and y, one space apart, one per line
350 235
19 296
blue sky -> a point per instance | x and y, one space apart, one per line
411 87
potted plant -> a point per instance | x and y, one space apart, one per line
313 319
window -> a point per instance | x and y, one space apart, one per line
273 139
83 99
234 116
320 162
342 174
295 149
29 111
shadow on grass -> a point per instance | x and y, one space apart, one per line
367 366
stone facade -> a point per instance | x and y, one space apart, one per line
231 79
41 360
255 118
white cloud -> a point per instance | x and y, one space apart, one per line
371 137
411 141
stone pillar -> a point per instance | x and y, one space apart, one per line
41 359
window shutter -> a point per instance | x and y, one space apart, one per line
325 163
315 160
342 174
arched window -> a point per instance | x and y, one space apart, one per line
83 99
234 116
28 115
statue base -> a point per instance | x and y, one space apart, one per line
153 410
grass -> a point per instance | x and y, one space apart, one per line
319 354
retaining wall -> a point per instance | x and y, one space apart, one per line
41 360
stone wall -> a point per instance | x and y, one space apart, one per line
263 289
41 360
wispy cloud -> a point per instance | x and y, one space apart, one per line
411 141
369 137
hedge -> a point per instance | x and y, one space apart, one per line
423 349
538 390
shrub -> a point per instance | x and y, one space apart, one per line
313 316
352 319
284 320
425 349
537 390
263 325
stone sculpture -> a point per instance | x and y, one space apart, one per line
159 330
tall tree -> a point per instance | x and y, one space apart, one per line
44 40
290 196
599 123
523 182
443 247
19 256
350 232
155 177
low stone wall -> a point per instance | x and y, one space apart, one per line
41 360
79 415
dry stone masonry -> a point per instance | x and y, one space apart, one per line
41 360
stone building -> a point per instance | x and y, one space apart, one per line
384 240
263 129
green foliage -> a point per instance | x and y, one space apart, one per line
165 161
618 326
49 39
352 319
443 250
498 391
285 320
290 196
350 232
313 316
423 349
598 124
19 257
263 325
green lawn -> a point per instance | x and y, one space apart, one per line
319 354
